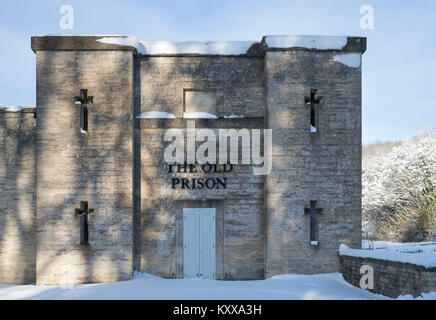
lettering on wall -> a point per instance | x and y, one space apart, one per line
205 182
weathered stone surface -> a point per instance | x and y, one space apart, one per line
324 166
17 197
390 278
240 222
74 166
81 43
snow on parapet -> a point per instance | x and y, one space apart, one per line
238 47
15 108
207 48
191 115
351 60
130 41
426 259
234 116
227 47
156 115
309 42
199 115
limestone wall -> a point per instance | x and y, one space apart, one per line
238 82
390 278
17 197
322 166
74 166
118 165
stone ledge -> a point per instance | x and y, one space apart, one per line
21 110
248 122
355 44
82 43
352 44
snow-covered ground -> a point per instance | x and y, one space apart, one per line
419 253
330 286
403 246
146 286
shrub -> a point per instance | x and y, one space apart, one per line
399 190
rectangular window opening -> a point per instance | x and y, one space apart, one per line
200 102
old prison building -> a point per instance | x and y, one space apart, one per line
87 196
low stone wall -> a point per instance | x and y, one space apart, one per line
390 278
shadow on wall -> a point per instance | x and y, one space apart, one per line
17 197
160 228
94 167
97 167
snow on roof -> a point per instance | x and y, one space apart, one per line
227 47
79 35
309 42
234 116
16 108
425 256
192 47
192 115
351 60
156 115
199 115
131 41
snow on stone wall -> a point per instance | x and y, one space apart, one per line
308 42
390 278
420 255
192 47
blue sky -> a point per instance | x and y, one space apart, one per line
398 68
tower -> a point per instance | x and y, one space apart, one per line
313 106
84 155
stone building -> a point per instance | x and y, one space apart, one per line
86 195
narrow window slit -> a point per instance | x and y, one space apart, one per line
83 213
312 101
84 100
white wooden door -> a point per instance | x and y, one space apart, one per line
199 229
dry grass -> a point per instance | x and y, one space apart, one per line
399 194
